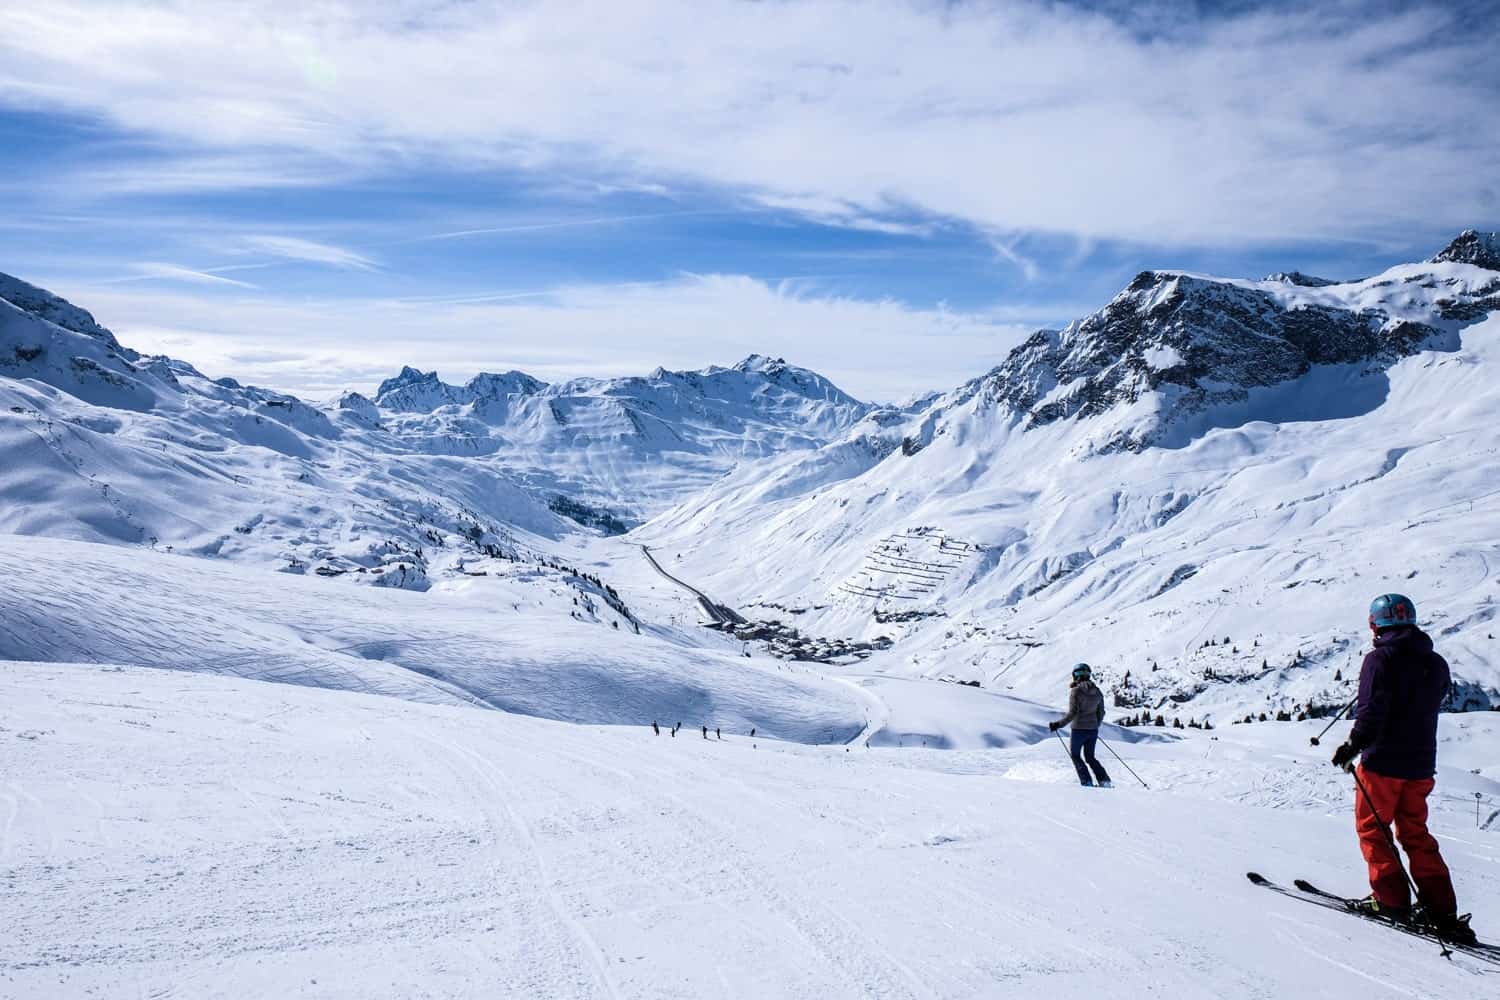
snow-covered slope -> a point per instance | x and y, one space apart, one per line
1198 488
99 443
116 470
178 835
527 637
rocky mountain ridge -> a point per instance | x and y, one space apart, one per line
1472 247
1176 352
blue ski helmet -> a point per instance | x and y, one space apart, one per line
1081 671
1392 609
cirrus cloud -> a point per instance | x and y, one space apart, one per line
309 251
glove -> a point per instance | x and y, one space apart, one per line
1054 726
1344 755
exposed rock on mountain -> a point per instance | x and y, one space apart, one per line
1473 247
1298 278
1192 343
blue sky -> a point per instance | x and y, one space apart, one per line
891 193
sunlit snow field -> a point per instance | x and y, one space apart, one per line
169 833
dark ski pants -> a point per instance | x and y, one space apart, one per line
1082 749
1402 803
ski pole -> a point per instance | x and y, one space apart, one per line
1127 767
1390 841
1336 718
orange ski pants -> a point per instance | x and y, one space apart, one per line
1401 803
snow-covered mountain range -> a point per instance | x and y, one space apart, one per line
625 446
1198 488
102 444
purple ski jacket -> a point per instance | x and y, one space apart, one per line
1402 685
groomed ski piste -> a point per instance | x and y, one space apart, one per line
168 833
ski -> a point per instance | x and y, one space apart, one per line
1479 947
1309 893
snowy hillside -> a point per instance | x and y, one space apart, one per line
1198 488
168 834
526 637
151 515
98 443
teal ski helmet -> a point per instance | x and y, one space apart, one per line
1081 671
1388 610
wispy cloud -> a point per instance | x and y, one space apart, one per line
1006 248
161 172
534 227
295 248
844 214
1285 122
157 270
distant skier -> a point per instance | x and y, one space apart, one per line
1402 685
705 732
752 732
1086 713
718 735
655 728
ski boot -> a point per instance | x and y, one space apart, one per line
1372 907
1452 928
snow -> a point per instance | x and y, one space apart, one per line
180 834
453 789
515 640
1163 358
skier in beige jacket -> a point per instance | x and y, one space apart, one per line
1086 713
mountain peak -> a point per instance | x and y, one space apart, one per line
54 309
761 363
488 384
1300 279
408 376
1472 247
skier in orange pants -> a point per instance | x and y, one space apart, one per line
1402 684
1405 804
